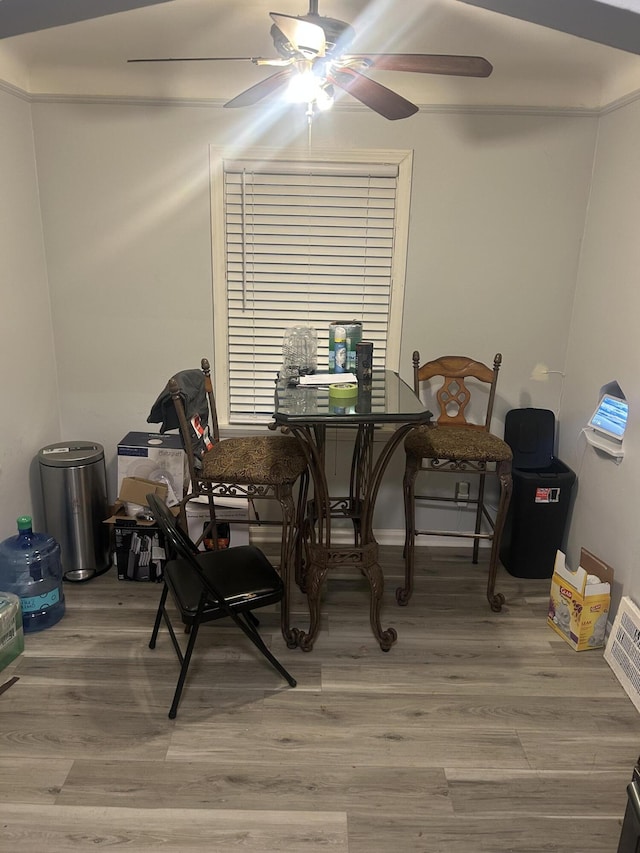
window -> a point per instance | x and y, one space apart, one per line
303 240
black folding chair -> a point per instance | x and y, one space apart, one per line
210 585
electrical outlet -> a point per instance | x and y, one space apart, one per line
462 492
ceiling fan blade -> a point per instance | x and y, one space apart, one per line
257 60
28 16
261 90
304 37
425 63
384 101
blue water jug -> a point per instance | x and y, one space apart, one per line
30 568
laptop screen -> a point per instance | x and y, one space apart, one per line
610 418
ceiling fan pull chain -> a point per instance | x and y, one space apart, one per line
309 115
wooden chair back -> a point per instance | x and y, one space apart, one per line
454 394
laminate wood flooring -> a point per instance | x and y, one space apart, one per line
478 732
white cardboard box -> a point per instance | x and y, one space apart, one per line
227 510
156 457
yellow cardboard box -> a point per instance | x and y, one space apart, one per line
579 601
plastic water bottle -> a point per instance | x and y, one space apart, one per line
30 568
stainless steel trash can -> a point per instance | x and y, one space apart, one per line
74 492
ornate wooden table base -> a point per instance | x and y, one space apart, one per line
321 559
306 413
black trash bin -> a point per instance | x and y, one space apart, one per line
542 487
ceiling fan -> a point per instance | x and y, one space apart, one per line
313 59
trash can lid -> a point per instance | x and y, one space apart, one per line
530 433
66 454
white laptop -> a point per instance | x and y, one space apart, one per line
610 417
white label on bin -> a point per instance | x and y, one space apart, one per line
68 449
547 496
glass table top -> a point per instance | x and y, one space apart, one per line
389 400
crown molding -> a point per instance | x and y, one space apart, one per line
624 101
218 103
10 89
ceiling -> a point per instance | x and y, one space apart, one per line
534 66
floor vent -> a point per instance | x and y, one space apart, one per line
623 649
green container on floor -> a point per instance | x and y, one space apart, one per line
11 631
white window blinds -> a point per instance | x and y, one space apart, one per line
304 243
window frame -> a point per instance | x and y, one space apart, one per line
401 159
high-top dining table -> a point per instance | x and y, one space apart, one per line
388 404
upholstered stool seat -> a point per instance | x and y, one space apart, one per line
270 460
456 444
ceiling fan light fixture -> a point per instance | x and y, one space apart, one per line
325 98
306 87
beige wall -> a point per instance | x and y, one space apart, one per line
497 244
497 216
29 413
605 345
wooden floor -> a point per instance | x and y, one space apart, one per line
476 732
